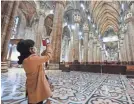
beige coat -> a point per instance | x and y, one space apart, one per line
36 83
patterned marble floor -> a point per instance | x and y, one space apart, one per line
71 88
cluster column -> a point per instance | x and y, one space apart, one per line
57 30
7 27
90 55
77 19
86 33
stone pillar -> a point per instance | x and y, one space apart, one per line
89 52
70 54
39 33
90 47
94 49
127 48
98 54
102 55
82 54
7 32
62 51
56 34
9 56
66 50
77 19
122 51
10 52
86 35
80 50
130 31
6 14
119 58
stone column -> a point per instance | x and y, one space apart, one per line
99 54
56 34
77 19
123 56
125 51
66 50
62 51
86 35
97 51
94 49
89 52
9 56
39 33
7 32
90 47
6 14
127 44
82 54
130 31
10 52
70 54
80 50
102 55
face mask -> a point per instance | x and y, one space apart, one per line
33 50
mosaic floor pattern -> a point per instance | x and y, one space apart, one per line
71 88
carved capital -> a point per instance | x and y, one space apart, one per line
86 28
129 17
61 2
76 17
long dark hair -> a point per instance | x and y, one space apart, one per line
24 48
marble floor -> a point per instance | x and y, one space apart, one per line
71 88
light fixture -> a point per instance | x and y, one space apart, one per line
65 24
122 6
81 37
51 12
89 18
10 45
82 6
73 26
80 33
121 18
97 31
93 25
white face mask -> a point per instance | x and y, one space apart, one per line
33 50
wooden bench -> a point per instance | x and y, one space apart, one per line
130 71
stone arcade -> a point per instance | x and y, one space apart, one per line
93 47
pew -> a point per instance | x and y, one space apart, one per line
130 71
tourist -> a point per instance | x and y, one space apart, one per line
37 86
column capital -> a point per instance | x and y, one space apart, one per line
129 17
85 28
61 2
76 17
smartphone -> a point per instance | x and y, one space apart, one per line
45 41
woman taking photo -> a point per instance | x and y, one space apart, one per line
37 87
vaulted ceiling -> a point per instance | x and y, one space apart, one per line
106 15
